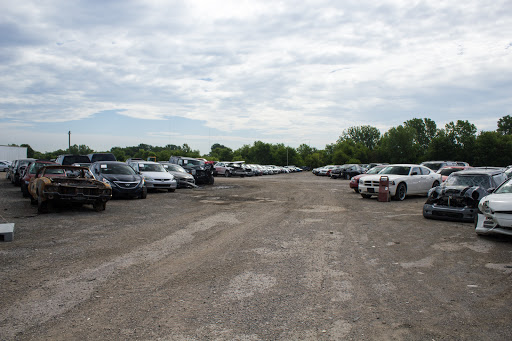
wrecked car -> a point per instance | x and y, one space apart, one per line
30 172
458 197
75 185
155 176
201 171
495 211
184 179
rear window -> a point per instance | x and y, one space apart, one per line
71 159
102 157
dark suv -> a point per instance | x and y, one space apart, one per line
458 196
70 159
201 171
101 157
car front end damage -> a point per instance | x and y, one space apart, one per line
63 189
494 216
453 203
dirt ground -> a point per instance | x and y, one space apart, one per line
284 257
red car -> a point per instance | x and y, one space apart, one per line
354 181
30 172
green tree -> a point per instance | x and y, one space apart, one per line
505 125
366 135
397 145
463 136
426 130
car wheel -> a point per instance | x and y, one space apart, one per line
435 184
401 191
366 196
212 180
144 193
24 190
42 206
99 206
227 174
347 176
171 189
33 201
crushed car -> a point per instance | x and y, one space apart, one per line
495 212
72 184
458 197
184 179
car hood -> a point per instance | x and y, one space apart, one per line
181 175
121 177
158 175
500 201
376 177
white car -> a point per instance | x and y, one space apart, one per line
404 179
495 211
155 175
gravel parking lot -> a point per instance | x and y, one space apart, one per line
284 257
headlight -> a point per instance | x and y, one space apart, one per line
193 172
106 181
484 207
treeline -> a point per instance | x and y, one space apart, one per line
414 141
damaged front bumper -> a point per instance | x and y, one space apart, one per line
464 214
500 223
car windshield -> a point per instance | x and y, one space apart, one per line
174 168
396 170
469 180
36 166
192 162
505 188
151 167
121 169
448 171
375 170
71 159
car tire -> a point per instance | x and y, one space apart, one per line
171 190
99 206
366 196
227 174
401 191
24 190
42 206
435 184
347 176
33 201
144 193
211 181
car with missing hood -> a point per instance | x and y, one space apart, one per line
125 182
155 176
458 197
75 185
404 179
495 211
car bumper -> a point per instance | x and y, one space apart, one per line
127 192
161 184
464 214
77 197
374 190
490 224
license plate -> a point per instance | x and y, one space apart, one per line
371 190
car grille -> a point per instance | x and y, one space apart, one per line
123 184
456 202
448 214
370 183
74 190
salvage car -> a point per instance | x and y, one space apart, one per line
30 172
446 171
404 179
457 198
125 182
223 168
495 211
17 169
183 178
201 171
155 176
75 185
354 181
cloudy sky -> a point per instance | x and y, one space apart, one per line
120 73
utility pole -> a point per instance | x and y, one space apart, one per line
69 141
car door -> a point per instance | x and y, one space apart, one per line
415 181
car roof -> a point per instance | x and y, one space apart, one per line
479 171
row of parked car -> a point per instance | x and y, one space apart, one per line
95 178
455 191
